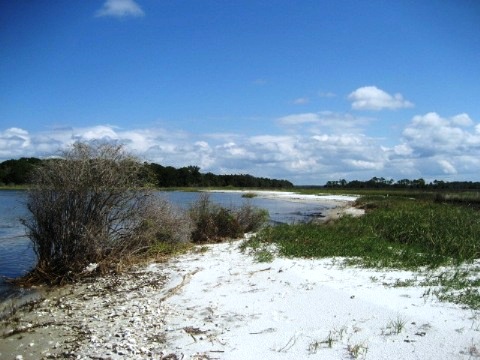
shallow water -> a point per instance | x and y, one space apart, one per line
17 256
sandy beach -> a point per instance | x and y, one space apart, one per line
218 303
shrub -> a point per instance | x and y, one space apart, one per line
251 218
165 223
89 206
215 223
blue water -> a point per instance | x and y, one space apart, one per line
17 256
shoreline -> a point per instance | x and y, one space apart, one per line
340 205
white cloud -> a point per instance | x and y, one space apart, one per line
364 165
97 133
462 120
120 8
14 142
373 98
296 119
403 150
432 134
447 166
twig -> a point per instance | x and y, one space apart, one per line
290 342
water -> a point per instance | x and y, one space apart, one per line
280 211
17 256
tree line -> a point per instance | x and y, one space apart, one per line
19 172
383 183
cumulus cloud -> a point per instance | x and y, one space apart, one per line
373 98
14 142
462 120
120 9
432 134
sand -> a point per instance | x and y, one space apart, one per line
218 303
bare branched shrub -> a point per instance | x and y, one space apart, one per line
251 218
164 222
88 207
215 223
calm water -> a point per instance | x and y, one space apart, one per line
17 256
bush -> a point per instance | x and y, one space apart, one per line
165 223
215 223
89 206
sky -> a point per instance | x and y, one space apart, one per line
309 91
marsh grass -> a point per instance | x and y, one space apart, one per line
396 232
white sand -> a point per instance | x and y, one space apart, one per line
292 196
289 309
218 303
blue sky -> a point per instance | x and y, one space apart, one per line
308 91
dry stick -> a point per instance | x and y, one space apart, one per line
253 272
174 290
287 347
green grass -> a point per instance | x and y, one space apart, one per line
396 232
164 249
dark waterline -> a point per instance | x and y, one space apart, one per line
17 256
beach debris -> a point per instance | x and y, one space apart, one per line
90 268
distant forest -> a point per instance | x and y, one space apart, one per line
19 172
382 183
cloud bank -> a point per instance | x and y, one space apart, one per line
309 150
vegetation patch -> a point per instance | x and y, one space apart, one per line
249 195
401 232
93 209
214 223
